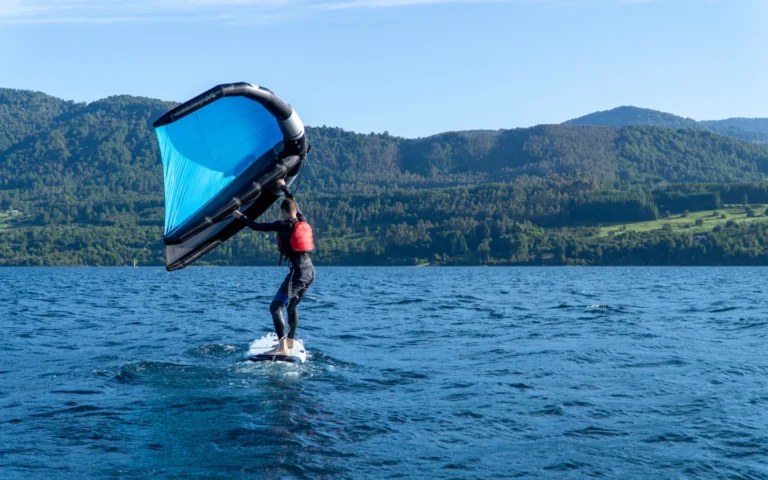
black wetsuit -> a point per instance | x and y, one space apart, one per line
299 279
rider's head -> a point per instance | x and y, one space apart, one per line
288 209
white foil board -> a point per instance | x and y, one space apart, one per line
257 352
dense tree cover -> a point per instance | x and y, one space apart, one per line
24 113
603 155
459 225
704 196
659 154
755 125
107 148
462 241
748 129
731 244
628 115
88 183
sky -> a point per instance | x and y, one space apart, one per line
409 67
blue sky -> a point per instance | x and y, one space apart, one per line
410 67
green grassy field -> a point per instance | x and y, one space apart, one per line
683 223
8 220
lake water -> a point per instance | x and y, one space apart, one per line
413 373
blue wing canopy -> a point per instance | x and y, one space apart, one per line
205 151
221 151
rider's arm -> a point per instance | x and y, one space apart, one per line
288 194
259 227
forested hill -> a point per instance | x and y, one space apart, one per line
81 184
748 129
628 115
51 148
24 113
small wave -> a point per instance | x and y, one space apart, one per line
566 467
67 411
469 414
466 466
584 293
561 306
670 438
408 301
167 373
213 350
584 359
722 310
323 306
395 379
577 403
674 362
751 325
458 385
445 307
595 432
348 337
466 297
518 386
643 336
549 410
601 306
78 392
406 374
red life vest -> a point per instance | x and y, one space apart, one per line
300 241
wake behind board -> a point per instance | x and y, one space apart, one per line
257 352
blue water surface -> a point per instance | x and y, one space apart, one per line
413 373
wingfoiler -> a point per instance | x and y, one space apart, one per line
222 151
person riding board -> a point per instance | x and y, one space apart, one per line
295 242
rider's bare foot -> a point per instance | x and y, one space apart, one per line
282 348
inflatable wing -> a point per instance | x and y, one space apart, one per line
223 150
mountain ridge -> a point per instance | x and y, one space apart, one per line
742 128
79 148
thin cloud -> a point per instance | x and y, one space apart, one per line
339 5
211 11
